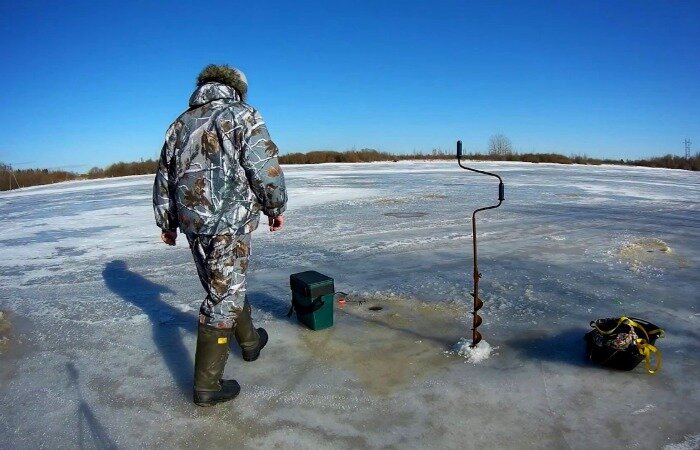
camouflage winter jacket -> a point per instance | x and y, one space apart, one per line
218 167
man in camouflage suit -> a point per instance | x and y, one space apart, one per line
218 169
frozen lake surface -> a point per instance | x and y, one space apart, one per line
103 314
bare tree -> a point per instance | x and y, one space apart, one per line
6 171
500 145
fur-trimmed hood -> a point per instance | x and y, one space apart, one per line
212 91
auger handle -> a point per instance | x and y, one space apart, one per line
501 188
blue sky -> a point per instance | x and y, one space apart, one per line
90 83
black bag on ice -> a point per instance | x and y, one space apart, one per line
623 342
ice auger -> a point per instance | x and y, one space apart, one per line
478 303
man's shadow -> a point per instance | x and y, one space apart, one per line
167 322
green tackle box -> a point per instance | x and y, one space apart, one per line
313 296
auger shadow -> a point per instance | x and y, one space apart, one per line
91 433
565 347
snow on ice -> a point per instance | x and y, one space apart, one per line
101 316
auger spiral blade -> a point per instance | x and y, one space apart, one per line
477 320
476 338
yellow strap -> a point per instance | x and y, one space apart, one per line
619 322
646 350
632 323
658 331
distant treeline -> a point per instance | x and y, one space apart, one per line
370 155
667 161
13 179
350 156
123 169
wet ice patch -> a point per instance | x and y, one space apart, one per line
391 200
474 355
4 331
642 247
648 252
384 351
406 215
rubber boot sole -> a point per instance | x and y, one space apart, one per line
252 355
229 390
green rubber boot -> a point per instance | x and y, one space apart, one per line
250 339
209 362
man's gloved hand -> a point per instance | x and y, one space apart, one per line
276 223
169 237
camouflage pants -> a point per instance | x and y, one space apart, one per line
221 262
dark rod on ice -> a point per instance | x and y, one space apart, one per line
476 336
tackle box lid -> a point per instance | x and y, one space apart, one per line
310 278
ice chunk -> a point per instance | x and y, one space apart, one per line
473 355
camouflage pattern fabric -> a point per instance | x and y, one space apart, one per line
218 167
221 263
